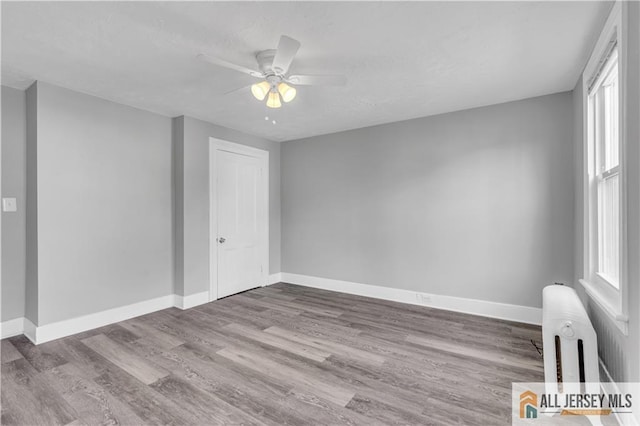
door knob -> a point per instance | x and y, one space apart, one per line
221 240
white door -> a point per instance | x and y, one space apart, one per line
241 213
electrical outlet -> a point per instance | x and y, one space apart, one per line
424 298
9 205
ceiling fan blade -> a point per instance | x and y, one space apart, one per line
222 63
318 80
286 51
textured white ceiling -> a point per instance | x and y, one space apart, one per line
403 60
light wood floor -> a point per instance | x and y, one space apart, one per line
277 355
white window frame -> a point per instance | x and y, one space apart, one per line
611 300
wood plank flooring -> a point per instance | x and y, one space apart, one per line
276 355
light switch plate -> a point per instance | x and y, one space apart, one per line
9 205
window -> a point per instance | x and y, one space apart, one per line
604 129
604 239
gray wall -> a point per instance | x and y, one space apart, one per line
476 203
620 353
31 275
13 185
191 157
105 226
105 210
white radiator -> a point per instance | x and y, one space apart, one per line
569 341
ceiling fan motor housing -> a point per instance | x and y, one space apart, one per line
265 62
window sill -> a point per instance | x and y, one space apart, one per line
621 321
608 280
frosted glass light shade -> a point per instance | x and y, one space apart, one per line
287 92
274 100
260 90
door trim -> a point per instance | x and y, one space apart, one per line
216 145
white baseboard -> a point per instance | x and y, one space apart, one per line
57 330
611 387
186 302
12 327
274 278
525 314
71 326
30 330
607 382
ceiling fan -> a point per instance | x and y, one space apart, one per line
273 68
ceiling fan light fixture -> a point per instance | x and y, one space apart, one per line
275 84
274 100
287 92
260 90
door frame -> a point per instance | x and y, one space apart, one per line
216 145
